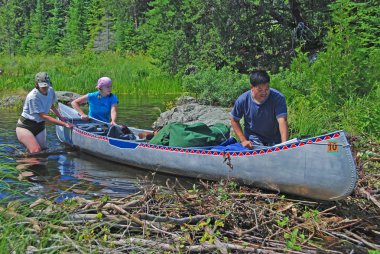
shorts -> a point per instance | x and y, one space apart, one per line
31 125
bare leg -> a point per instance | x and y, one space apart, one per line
41 139
28 139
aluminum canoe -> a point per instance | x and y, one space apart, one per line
320 167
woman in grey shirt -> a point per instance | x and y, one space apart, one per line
30 128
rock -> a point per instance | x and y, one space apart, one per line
66 97
11 100
14 100
185 100
193 112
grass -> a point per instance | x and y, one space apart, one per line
79 73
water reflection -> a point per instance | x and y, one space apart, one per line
68 173
79 174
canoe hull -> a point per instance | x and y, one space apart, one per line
319 168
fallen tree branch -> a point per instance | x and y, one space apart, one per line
147 243
176 221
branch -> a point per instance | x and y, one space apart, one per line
176 221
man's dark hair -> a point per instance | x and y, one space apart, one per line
259 77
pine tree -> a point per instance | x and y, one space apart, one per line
75 31
54 31
96 16
37 29
9 39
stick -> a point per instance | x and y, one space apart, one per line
73 243
369 196
131 203
221 247
176 221
371 245
149 243
194 248
130 196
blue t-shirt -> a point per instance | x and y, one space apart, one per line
100 107
261 119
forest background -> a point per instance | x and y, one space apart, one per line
323 55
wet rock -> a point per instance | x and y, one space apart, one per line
189 111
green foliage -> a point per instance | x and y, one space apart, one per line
12 26
216 87
340 90
54 30
208 34
10 187
96 18
209 228
75 36
79 73
291 239
283 222
313 214
37 30
219 39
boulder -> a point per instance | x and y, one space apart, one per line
66 97
11 101
15 100
188 111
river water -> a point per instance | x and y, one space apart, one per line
67 173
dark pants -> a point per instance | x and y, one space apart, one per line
257 143
31 125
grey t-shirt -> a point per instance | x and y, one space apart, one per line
36 103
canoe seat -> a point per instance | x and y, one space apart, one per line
94 128
118 132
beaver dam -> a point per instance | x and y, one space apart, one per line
208 218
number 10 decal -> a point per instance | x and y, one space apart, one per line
332 147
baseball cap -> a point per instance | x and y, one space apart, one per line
43 80
103 81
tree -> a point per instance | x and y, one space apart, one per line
55 26
37 30
11 26
75 36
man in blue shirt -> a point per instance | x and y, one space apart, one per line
264 111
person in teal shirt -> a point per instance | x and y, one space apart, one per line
102 103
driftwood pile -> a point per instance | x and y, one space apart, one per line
212 218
